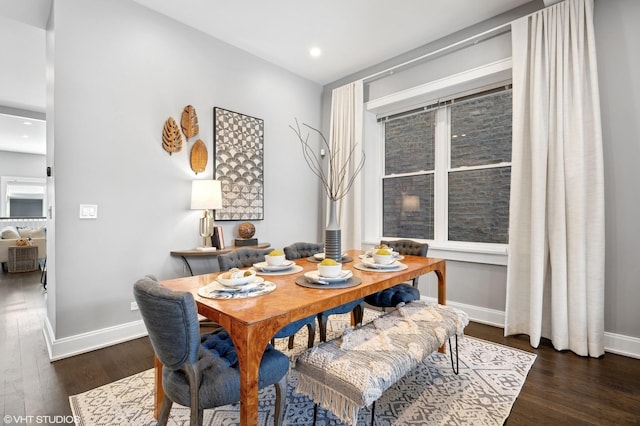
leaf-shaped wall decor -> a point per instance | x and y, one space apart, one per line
171 138
199 157
189 122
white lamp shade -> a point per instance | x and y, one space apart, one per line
206 194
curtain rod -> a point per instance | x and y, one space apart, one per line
500 29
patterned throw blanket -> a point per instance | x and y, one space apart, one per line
351 372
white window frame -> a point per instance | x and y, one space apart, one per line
477 79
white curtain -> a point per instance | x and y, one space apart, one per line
555 275
346 131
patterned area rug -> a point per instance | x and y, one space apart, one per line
490 379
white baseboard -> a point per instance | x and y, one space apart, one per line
87 342
613 343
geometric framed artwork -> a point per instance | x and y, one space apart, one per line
238 161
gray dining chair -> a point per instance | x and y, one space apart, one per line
404 292
301 249
245 257
199 372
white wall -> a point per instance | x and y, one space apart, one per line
120 72
22 165
481 288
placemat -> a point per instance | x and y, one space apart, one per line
351 282
293 270
345 259
363 267
262 288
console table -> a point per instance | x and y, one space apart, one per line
23 259
185 254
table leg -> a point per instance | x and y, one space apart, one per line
249 358
441 273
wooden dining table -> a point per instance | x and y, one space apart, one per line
252 322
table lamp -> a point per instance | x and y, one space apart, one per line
206 195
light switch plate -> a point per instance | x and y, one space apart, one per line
88 211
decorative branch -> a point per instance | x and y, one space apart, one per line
336 182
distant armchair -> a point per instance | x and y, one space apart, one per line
391 297
245 257
241 258
199 372
300 250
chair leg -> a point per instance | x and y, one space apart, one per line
193 375
281 401
312 334
357 315
163 419
322 323
373 413
291 341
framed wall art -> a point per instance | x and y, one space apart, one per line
238 153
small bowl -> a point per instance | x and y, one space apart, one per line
236 277
383 259
329 271
373 251
274 260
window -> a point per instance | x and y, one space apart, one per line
447 171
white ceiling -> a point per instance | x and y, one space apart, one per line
352 34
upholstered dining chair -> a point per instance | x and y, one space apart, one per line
391 297
199 372
244 257
300 250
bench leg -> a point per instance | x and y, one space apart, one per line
456 367
315 413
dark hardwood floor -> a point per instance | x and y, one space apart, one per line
561 388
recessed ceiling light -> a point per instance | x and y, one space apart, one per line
315 52
27 123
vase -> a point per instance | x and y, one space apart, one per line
332 235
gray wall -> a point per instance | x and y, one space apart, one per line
120 71
481 286
617 36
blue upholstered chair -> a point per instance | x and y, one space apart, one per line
399 293
300 250
200 372
245 257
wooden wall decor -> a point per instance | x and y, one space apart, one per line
171 137
199 156
189 122
239 165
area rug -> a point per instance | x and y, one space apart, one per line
490 379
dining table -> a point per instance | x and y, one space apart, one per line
253 321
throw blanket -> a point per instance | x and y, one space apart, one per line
353 371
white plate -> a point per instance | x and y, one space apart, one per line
315 277
320 256
253 284
396 256
369 263
265 267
